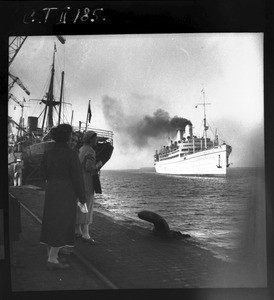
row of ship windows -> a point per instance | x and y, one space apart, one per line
190 144
186 150
170 157
190 147
177 155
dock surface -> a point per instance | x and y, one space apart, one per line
127 257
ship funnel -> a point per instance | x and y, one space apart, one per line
188 131
180 133
32 122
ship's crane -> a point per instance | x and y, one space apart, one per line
14 48
19 82
20 103
61 39
16 124
11 96
17 43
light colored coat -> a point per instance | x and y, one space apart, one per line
87 158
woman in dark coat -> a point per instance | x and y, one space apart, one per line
64 185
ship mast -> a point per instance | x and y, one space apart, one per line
49 101
205 126
61 96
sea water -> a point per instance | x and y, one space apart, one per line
217 212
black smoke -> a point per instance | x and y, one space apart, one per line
142 128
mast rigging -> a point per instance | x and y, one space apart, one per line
205 126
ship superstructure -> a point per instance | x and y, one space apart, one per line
190 155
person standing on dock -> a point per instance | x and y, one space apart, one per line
87 158
64 185
18 167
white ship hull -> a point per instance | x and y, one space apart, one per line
212 162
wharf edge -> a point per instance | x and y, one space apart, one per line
130 257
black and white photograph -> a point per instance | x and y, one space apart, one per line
136 161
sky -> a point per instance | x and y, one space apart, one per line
139 84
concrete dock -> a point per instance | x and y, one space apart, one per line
127 256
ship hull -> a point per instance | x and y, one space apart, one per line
32 157
212 162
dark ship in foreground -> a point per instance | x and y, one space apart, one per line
32 141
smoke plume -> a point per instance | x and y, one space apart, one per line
139 130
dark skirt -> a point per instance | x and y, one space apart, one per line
58 227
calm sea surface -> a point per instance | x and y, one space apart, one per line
216 212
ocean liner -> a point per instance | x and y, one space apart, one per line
32 141
190 155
